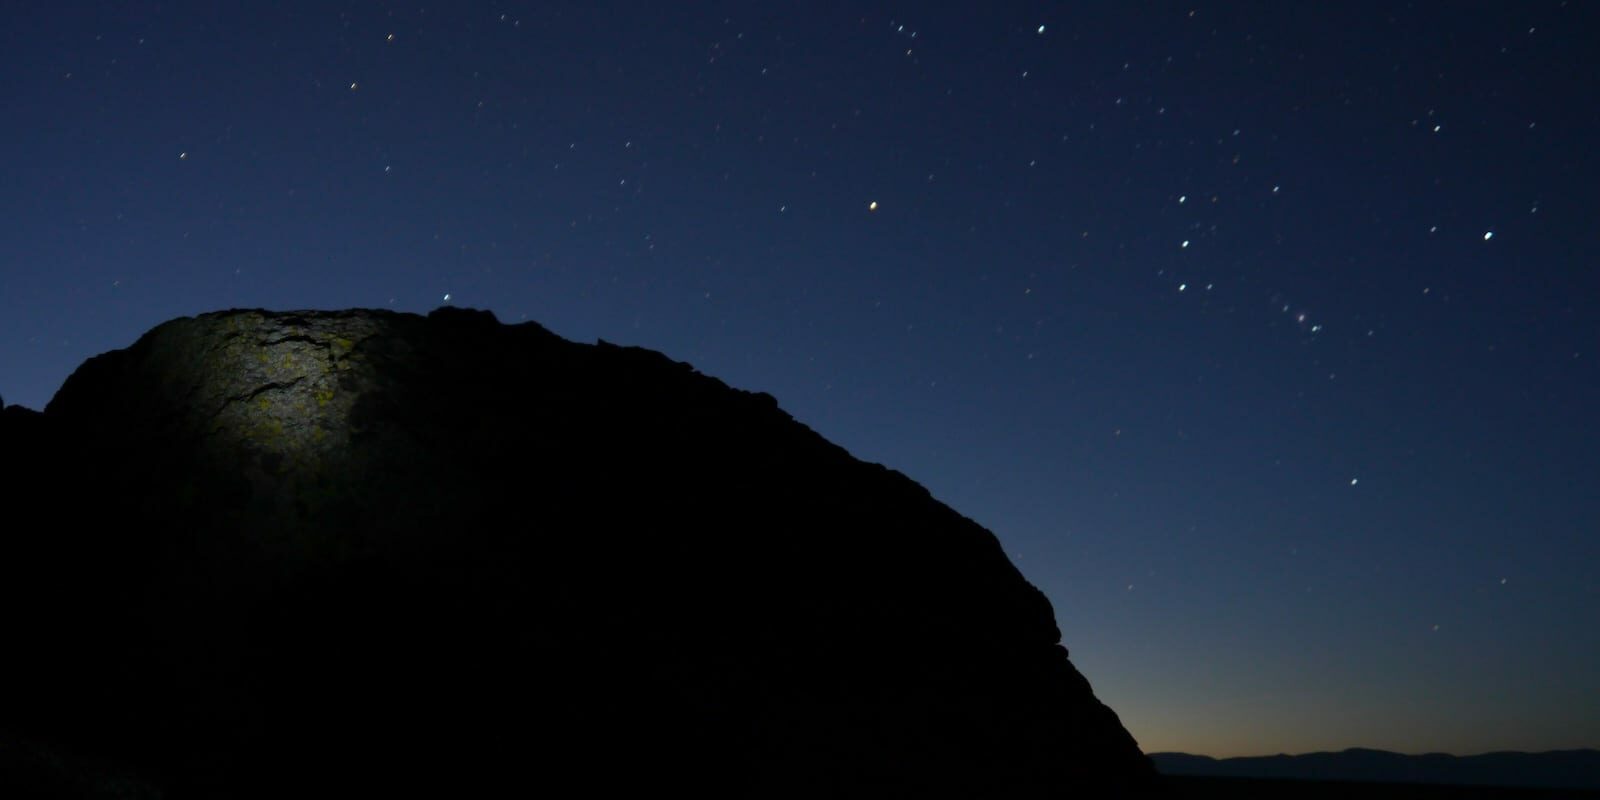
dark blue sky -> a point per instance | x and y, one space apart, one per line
1264 335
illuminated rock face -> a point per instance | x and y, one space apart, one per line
255 405
290 553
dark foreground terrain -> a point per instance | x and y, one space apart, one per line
1555 769
362 553
1180 787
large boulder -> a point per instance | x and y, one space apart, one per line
273 554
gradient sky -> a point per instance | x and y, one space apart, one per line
1264 335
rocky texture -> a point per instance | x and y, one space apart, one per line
274 554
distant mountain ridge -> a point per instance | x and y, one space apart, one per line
1556 769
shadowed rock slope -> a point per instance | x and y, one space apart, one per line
275 554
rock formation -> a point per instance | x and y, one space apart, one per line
263 554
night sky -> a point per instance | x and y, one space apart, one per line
1263 335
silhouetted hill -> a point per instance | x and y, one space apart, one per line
358 553
1568 769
